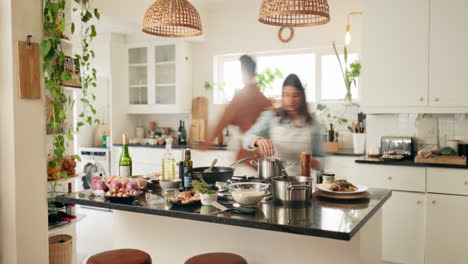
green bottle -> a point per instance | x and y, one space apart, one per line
125 162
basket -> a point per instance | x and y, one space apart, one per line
60 252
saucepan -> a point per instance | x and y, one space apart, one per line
269 167
292 189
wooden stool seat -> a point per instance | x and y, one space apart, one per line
121 256
216 258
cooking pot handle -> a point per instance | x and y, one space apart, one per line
254 162
298 187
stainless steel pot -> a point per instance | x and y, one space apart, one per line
288 215
292 189
269 167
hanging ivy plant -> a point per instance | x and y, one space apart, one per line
54 24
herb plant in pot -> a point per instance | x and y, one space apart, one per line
207 194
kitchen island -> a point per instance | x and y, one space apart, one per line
323 232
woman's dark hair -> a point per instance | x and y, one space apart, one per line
293 80
248 64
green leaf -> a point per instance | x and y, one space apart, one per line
89 120
45 47
96 14
70 136
66 76
79 124
64 174
72 28
93 31
52 164
61 25
78 158
97 121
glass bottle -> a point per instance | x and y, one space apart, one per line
168 163
125 162
188 164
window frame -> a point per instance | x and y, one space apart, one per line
219 60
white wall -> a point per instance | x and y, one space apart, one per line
23 191
237 30
102 63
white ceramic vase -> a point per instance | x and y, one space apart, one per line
359 143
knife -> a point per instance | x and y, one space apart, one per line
239 210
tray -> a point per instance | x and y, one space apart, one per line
452 160
363 195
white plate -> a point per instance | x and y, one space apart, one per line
326 188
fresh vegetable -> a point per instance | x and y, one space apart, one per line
94 180
132 186
100 185
115 185
447 151
202 187
125 182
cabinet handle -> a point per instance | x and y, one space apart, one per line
434 201
421 99
389 178
436 99
466 182
418 202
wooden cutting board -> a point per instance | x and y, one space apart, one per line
452 160
29 70
200 108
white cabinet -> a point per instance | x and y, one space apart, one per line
159 78
392 177
447 181
403 218
414 56
448 81
395 53
446 235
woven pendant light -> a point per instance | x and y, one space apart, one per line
172 18
294 13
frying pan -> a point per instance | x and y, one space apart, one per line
219 174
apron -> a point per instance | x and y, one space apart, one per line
289 142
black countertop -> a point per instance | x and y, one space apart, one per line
407 162
323 218
213 147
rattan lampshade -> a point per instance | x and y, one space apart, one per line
294 13
172 18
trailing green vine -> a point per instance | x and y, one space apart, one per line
54 24
87 34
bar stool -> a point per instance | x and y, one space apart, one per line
216 258
120 256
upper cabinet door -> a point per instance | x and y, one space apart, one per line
448 78
395 53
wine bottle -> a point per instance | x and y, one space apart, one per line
125 162
182 134
331 134
188 170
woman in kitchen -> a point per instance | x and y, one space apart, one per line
287 131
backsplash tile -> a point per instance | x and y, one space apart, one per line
430 130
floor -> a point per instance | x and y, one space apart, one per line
94 234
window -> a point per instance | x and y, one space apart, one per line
332 84
303 65
319 73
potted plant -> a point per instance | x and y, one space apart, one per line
350 74
207 194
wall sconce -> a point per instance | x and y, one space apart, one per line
348 27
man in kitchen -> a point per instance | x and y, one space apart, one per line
244 108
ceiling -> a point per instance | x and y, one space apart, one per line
126 16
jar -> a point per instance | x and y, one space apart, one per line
328 177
